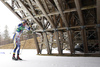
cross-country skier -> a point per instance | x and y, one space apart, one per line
16 38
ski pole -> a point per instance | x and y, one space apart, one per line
23 46
11 49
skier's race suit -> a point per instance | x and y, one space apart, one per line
16 37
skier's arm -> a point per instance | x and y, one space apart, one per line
27 27
20 25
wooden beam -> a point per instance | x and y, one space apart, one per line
84 40
58 42
64 28
83 32
61 12
74 9
45 6
12 3
11 9
33 10
70 41
78 8
66 25
98 21
61 39
27 17
19 9
33 2
46 43
36 43
18 6
44 12
98 11
30 13
65 11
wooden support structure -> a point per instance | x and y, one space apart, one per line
61 24
78 7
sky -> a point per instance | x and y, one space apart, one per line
7 18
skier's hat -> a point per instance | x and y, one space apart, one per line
24 21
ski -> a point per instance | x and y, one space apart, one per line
13 58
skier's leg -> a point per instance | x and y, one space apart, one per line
18 58
14 53
14 50
15 46
18 51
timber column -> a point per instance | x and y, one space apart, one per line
83 32
46 42
36 43
57 41
98 22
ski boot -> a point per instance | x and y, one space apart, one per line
14 57
18 58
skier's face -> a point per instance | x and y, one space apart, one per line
24 24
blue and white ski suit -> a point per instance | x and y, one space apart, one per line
16 37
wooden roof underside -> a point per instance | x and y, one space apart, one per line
56 14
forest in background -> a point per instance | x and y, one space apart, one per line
6 39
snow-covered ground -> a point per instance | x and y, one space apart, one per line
30 59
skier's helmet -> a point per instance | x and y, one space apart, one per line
24 21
